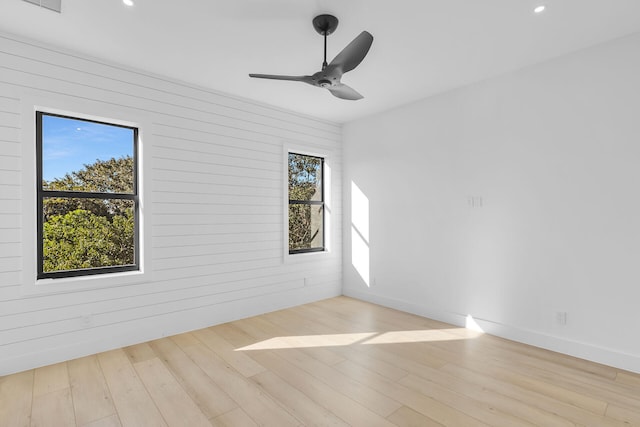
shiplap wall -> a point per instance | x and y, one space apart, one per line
217 211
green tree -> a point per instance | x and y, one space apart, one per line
104 176
88 233
81 239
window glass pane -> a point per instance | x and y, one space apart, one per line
87 233
305 177
78 155
305 227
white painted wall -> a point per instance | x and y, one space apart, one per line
554 152
214 167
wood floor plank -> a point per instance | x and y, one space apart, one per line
381 353
502 368
91 397
587 367
335 324
301 406
236 336
520 355
575 414
319 345
378 365
501 402
407 417
340 404
139 353
172 400
595 387
550 369
130 397
413 353
627 415
461 402
234 418
425 405
628 378
209 397
54 409
334 362
240 339
557 392
112 421
50 378
377 402
248 395
185 340
375 318
369 397
240 361
16 397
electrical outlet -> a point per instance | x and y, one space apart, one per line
475 201
561 318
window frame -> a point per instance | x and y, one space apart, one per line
321 202
41 194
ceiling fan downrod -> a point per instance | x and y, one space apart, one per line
325 25
324 63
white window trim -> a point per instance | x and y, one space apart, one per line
91 110
328 205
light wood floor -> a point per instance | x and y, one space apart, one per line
335 362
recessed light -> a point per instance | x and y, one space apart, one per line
540 9
128 2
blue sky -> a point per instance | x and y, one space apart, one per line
69 144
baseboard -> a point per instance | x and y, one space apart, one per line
581 350
111 337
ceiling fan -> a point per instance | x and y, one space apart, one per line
331 73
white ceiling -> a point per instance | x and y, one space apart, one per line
420 48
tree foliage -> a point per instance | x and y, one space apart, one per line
87 233
305 184
103 176
80 239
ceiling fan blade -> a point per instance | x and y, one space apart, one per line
354 53
345 92
304 79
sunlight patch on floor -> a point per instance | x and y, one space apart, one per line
368 338
307 341
401 337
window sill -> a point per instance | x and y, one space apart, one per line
305 256
84 283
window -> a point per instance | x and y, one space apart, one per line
87 197
306 203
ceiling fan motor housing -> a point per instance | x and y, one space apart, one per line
325 24
325 78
